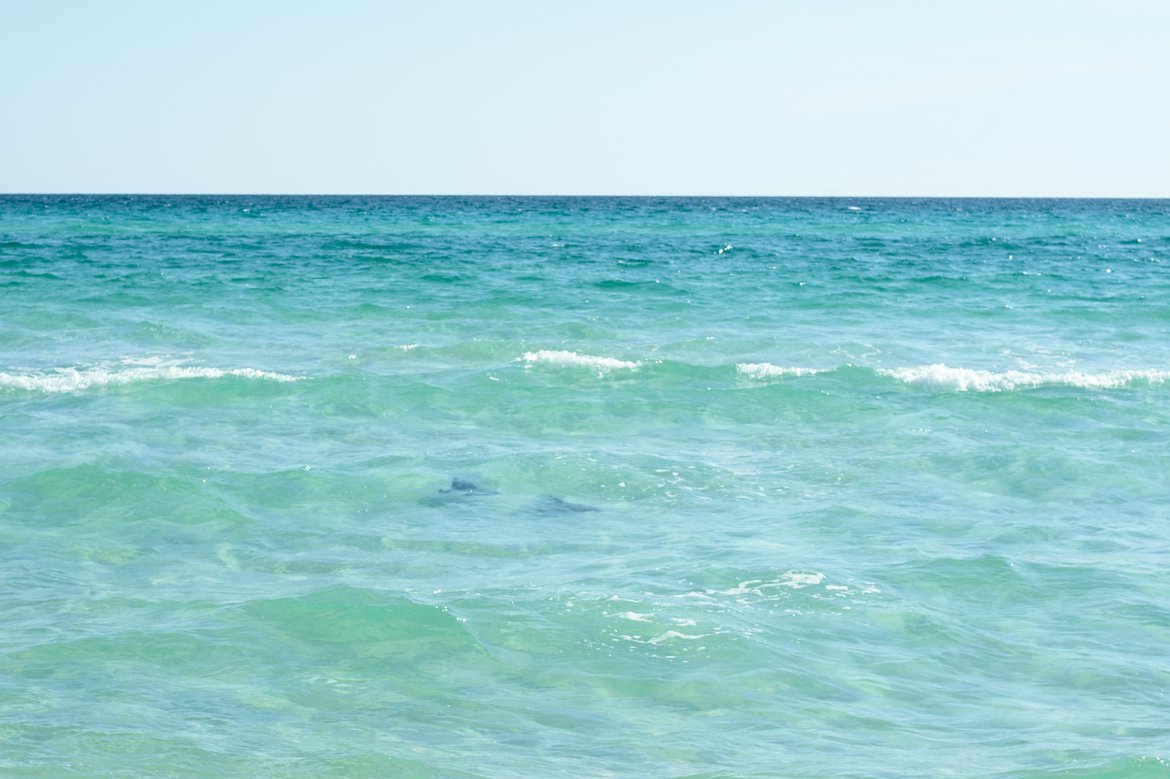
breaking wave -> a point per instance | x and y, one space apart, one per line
76 380
566 358
766 370
943 377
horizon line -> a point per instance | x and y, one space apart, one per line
580 196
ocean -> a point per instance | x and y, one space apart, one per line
525 486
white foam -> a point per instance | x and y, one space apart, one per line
572 359
795 580
766 370
943 377
633 616
76 380
672 634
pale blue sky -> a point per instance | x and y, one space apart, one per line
837 97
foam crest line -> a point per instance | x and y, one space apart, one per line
943 377
766 370
74 380
599 364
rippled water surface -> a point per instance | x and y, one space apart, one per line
510 487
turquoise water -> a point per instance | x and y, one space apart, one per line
582 487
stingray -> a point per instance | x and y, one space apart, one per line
462 487
555 505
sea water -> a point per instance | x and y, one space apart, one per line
517 487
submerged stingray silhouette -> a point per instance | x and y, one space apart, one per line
467 488
555 505
548 505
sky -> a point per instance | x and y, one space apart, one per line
640 97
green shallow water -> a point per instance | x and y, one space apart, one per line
869 488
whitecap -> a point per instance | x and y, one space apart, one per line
77 380
572 359
633 616
765 370
672 634
797 579
765 588
943 377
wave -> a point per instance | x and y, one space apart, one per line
935 377
648 286
943 377
766 370
76 380
601 365
940 377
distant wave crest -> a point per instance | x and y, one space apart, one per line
599 364
766 370
76 380
943 377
